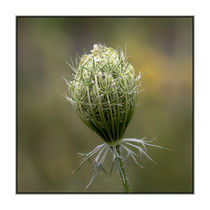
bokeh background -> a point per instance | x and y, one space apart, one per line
50 134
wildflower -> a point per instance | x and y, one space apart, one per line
104 93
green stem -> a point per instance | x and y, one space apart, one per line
123 176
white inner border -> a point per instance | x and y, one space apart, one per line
9 200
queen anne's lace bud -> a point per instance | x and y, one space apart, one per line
104 92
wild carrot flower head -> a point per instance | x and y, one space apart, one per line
104 91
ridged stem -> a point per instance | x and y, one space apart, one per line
122 173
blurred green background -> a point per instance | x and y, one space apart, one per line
50 134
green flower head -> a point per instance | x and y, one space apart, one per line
104 91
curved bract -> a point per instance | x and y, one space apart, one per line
104 91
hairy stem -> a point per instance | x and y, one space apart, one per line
123 176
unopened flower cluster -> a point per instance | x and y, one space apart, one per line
103 91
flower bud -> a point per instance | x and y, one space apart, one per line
104 91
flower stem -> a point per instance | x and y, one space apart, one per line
123 176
